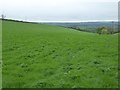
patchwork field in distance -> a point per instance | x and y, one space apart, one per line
44 56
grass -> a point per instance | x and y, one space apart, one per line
43 56
0 54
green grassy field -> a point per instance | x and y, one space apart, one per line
43 56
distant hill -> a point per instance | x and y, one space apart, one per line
89 26
83 26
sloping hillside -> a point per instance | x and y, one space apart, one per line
43 56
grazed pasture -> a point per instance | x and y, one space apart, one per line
44 56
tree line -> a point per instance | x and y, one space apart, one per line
99 30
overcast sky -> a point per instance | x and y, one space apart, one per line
60 10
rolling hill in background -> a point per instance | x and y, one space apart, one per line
89 26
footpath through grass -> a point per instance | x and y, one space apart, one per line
43 56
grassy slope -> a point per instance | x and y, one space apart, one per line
0 54
37 55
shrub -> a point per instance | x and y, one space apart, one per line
104 30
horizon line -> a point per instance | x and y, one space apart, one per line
58 21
